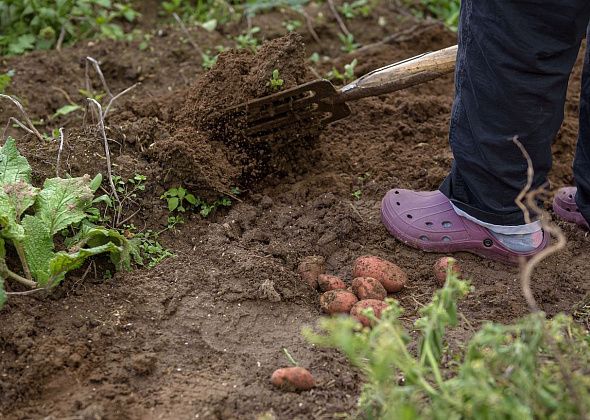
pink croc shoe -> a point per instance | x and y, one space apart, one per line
427 221
564 206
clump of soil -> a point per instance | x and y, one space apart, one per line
212 155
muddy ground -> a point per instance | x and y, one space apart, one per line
199 335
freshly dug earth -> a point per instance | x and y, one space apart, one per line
200 335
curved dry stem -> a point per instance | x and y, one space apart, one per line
26 117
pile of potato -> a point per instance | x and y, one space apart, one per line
373 279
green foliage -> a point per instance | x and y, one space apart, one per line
66 109
5 80
31 217
37 24
275 82
292 25
348 43
445 10
534 368
356 8
247 40
345 77
180 200
206 12
146 249
357 194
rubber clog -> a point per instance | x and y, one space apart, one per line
427 221
565 207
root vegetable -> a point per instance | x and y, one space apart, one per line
377 305
328 282
337 301
387 273
310 268
368 288
293 379
440 269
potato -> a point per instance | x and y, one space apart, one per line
337 301
440 269
293 379
368 288
377 305
328 282
310 268
387 273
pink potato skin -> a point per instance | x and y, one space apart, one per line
377 305
293 379
328 282
440 269
368 288
337 301
387 273
310 268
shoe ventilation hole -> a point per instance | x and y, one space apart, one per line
429 223
446 239
447 225
570 196
568 209
409 216
424 238
397 192
398 203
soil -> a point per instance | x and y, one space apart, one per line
199 335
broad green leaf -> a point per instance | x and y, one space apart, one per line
173 203
21 196
63 262
8 221
13 166
191 199
63 202
66 109
96 182
38 247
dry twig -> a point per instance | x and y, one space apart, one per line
32 128
338 18
61 146
188 35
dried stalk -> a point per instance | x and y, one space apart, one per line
17 122
27 119
188 35
101 127
100 76
117 96
338 18
61 146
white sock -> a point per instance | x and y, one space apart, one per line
521 238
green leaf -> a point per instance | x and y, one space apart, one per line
38 247
63 202
66 109
2 293
173 203
191 199
63 262
8 220
96 182
13 166
21 196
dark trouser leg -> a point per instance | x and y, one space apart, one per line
582 160
513 65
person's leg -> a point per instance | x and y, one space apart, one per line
582 160
513 66
514 62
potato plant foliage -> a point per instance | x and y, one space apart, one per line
534 368
30 219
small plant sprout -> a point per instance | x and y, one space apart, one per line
275 82
208 60
292 25
5 80
355 9
346 76
289 357
178 199
315 58
348 43
357 194
247 40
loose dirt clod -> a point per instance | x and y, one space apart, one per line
210 150
310 268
